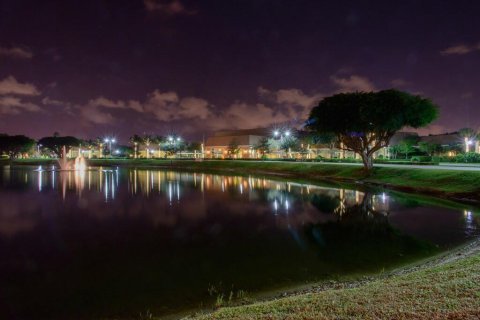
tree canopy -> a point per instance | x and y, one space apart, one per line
364 122
15 145
56 142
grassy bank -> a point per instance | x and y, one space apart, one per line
454 184
447 290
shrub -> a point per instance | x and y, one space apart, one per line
468 157
421 159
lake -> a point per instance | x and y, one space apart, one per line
118 243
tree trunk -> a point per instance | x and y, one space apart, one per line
367 161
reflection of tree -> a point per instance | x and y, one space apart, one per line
361 238
325 203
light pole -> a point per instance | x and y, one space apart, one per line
173 142
38 150
110 141
282 135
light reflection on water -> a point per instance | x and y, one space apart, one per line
83 237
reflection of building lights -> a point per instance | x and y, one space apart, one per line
468 216
40 176
275 205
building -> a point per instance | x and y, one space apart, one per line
220 144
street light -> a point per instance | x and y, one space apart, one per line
109 141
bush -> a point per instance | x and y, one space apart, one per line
443 159
421 159
468 157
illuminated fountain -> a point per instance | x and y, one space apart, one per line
78 164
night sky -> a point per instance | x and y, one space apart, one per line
96 68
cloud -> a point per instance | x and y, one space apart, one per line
16 53
460 49
10 85
192 107
397 83
290 97
96 115
107 103
167 106
52 102
10 105
353 83
291 102
241 115
171 8
94 110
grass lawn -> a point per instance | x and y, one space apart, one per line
447 291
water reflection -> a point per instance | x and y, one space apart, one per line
292 204
150 239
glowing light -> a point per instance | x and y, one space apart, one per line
276 133
287 133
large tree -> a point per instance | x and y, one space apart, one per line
15 145
55 143
364 122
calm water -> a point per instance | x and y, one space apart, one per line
119 242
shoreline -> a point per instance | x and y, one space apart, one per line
456 185
448 259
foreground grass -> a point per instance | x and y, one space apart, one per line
448 291
450 183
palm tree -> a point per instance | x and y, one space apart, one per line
136 140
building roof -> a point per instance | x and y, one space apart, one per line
400 135
443 139
225 141
243 132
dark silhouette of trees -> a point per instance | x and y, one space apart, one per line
15 145
55 143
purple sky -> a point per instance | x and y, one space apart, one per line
94 68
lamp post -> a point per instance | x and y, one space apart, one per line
282 135
468 143
38 150
109 141
173 142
